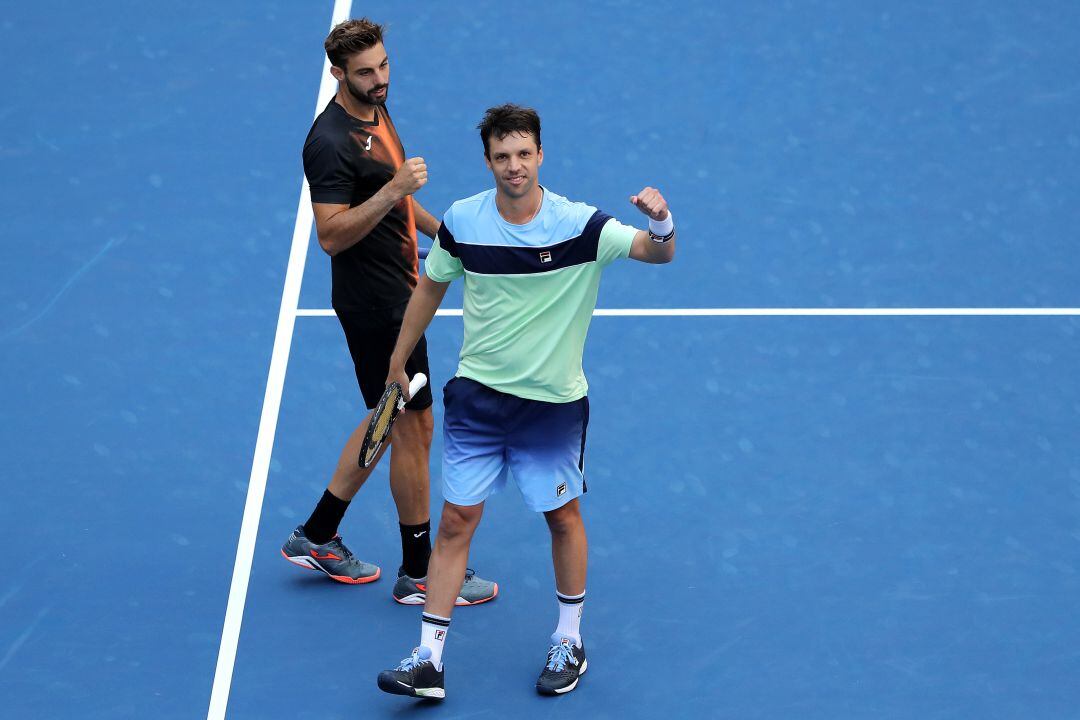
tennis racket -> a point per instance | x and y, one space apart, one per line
382 420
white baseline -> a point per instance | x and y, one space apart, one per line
779 312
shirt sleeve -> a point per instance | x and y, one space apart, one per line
616 240
442 264
329 175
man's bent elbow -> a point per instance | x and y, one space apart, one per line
328 246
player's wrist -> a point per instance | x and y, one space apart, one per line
392 194
661 231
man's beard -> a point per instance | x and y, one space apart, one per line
365 97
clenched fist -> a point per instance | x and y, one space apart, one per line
651 202
410 177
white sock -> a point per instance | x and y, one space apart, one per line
433 631
570 609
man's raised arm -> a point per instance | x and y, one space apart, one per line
339 227
658 244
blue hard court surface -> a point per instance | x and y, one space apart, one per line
843 517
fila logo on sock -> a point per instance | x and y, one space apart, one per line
440 634
545 257
561 490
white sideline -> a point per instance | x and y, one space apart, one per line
779 312
264 444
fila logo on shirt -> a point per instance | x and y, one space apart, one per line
561 490
545 257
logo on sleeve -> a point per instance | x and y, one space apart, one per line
545 257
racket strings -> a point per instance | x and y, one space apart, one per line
381 422
389 409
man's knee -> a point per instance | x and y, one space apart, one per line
459 521
414 427
565 519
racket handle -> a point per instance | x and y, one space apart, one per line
418 381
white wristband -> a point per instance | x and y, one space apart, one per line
661 228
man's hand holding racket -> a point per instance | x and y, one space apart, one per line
399 387
399 376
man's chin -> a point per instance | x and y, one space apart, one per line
516 191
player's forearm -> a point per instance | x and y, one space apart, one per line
659 253
645 249
349 227
424 302
425 221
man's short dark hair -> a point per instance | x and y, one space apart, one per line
500 121
350 37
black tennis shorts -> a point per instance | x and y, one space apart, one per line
371 335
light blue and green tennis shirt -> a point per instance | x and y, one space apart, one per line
530 290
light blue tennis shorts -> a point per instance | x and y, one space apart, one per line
488 434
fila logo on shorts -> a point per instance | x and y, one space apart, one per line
545 257
561 490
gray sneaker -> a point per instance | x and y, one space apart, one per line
333 558
474 590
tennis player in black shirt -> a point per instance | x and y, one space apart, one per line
366 220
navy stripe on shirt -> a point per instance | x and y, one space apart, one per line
446 240
517 260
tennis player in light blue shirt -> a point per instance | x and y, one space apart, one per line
518 404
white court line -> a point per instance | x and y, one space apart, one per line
264 444
777 312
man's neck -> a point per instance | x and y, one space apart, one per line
359 110
520 211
